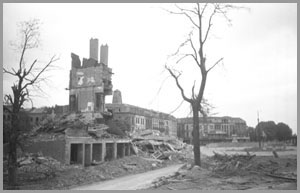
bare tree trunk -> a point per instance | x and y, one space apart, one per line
12 155
196 141
29 76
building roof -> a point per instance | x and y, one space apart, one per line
140 111
213 119
40 110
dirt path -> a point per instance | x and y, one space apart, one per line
132 182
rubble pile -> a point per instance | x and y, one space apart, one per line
76 124
104 171
228 165
155 146
237 171
39 166
231 163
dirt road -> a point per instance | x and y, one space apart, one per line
132 182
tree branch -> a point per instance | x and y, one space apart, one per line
206 4
8 72
178 85
53 59
184 56
215 64
31 66
183 13
209 25
188 10
193 90
195 52
178 49
176 107
23 51
200 52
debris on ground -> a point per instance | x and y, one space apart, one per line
157 146
240 172
75 124
68 176
231 163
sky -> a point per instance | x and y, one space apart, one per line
257 76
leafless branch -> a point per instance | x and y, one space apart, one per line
9 99
183 13
178 49
187 10
209 25
184 56
202 12
202 111
223 11
195 56
215 64
30 68
193 90
53 59
178 84
23 51
177 107
8 72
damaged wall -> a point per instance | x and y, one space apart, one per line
54 149
141 118
89 82
86 150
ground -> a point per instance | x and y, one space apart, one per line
75 175
259 172
132 182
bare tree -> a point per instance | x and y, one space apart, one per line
27 78
202 17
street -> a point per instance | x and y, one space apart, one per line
132 182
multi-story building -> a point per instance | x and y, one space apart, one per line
91 81
143 119
212 128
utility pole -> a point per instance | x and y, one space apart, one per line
258 130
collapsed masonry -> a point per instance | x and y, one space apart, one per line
77 138
81 137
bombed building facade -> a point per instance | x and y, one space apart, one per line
214 129
80 136
90 80
141 119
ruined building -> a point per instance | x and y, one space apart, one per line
90 81
81 139
141 119
117 97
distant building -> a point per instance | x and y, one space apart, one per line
214 128
90 81
37 115
144 119
25 124
60 109
117 97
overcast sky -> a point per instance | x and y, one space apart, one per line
259 73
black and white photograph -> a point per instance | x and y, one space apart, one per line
149 96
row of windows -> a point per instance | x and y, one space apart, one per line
190 126
8 117
140 121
